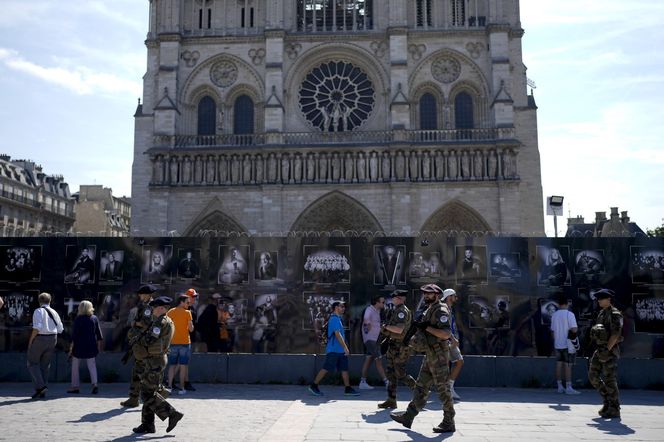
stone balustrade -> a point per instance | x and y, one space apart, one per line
207 167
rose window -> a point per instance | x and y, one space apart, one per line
337 96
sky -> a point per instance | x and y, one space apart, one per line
70 79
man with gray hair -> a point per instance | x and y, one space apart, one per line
46 325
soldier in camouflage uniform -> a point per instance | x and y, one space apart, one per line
139 325
435 332
152 348
602 372
398 352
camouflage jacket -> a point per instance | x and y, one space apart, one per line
400 317
156 340
439 316
612 321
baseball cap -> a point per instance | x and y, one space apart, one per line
431 288
192 293
148 289
604 294
336 303
161 301
448 292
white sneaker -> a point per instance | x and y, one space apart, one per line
561 390
454 394
182 392
570 390
364 386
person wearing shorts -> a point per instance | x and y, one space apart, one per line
562 322
336 352
450 297
179 353
370 334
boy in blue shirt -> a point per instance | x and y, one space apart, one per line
336 352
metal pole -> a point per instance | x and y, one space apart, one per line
555 224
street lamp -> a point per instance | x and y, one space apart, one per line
554 206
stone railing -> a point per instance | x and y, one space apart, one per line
449 136
332 166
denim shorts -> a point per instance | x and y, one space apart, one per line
563 355
455 354
179 354
371 348
336 362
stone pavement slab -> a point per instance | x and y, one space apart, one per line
289 413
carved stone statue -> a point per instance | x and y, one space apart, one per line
452 165
259 169
336 167
465 165
492 164
311 167
413 166
186 178
385 169
426 166
235 169
199 171
361 168
223 169
400 166
285 168
271 168
349 167
173 178
477 165
246 169
210 169
297 168
158 170
439 164
322 168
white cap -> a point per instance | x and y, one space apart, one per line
448 292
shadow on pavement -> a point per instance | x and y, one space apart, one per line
611 426
142 437
378 417
97 417
420 437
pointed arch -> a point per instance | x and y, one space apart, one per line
336 211
456 216
214 220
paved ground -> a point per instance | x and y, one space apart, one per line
290 413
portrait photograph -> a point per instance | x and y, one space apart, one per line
489 312
553 268
189 263
20 263
505 266
265 265
648 313
110 266
319 309
19 306
646 265
326 265
585 304
389 268
263 323
425 265
589 262
234 268
155 267
80 264
471 263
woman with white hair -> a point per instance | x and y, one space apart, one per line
86 342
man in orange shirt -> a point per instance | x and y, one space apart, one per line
178 356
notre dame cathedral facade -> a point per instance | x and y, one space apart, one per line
398 116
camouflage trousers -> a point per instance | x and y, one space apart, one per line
135 382
602 374
434 372
153 403
397 358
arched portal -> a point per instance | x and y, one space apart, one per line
336 212
456 216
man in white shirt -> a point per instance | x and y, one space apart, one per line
562 321
46 325
370 334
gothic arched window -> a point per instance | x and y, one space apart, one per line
207 111
463 111
428 112
243 115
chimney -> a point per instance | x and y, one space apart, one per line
600 216
624 218
574 221
614 213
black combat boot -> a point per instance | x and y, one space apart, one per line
604 407
145 428
445 427
173 420
389 403
406 418
130 403
612 411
